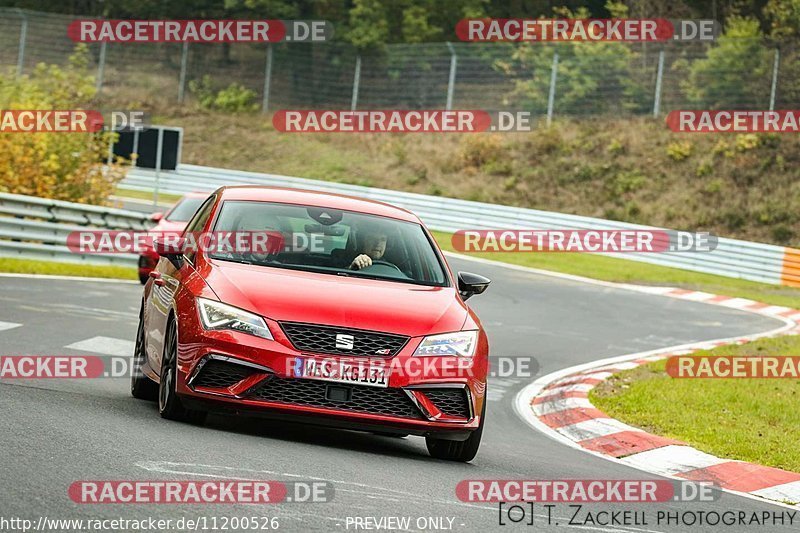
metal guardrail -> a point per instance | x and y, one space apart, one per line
732 258
37 228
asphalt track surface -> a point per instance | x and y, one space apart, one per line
55 432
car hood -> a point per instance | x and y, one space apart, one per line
295 296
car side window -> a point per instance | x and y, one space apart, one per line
198 222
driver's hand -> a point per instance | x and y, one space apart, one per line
361 261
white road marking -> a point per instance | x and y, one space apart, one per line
498 387
8 325
593 428
789 492
562 404
673 460
360 489
104 345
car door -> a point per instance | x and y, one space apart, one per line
161 296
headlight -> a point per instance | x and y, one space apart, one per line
217 316
459 343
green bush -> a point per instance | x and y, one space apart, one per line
735 73
63 166
234 98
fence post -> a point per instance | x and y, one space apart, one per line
551 96
136 146
159 149
182 81
659 78
451 82
23 35
356 81
267 79
101 66
774 88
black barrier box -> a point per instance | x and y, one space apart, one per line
147 147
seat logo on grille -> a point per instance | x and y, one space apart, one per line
345 342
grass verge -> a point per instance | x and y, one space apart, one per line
26 266
745 419
146 195
626 271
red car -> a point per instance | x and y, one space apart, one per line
173 221
367 329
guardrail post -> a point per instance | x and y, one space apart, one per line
451 82
182 80
659 78
356 81
101 66
774 88
23 36
135 149
267 79
551 95
159 147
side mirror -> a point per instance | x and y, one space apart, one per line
172 250
470 284
156 217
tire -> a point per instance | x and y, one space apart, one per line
169 404
454 450
142 387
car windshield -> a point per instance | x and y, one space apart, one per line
329 241
184 209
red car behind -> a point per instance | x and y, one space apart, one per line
368 330
173 221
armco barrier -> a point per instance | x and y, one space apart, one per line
732 258
37 228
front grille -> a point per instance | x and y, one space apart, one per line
364 399
323 339
450 401
221 374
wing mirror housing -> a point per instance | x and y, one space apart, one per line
156 217
172 250
470 284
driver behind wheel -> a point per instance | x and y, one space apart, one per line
371 246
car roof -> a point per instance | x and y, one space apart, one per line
259 193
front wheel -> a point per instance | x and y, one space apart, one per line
169 404
142 387
454 450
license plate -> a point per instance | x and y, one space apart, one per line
360 373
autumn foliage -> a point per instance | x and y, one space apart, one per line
63 166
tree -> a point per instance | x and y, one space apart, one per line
735 73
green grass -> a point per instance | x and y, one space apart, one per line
147 195
26 266
626 271
745 419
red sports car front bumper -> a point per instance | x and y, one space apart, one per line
232 371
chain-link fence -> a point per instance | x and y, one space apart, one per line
607 78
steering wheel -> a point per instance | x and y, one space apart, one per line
382 263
